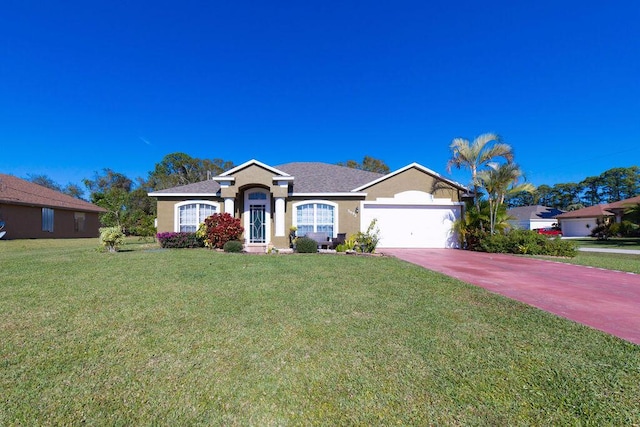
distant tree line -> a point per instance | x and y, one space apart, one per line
610 186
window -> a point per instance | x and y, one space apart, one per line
47 220
191 214
78 221
315 217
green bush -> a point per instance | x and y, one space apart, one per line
233 246
368 240
525 242
111 238
306 245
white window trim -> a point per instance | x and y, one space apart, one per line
176 211
316 201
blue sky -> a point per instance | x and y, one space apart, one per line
95 84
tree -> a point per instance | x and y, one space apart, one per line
110 190
177 169
620 183
499 180
368 164
484 150
44 181
70 189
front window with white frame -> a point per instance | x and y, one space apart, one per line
315 217
189 215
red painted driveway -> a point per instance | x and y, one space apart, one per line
602 299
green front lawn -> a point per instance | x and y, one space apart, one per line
183 337
611 243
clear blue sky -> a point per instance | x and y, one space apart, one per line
87 85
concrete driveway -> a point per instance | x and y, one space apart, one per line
602 299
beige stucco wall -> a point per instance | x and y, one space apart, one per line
413 179
255 176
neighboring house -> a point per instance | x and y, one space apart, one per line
618 208
579 223
31 211
532 217
414 206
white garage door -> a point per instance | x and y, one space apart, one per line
413 226
577 227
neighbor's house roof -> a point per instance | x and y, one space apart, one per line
16 191
595 211
523 213
605 209
624 204
308 177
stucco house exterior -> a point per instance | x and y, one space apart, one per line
579 223
414 206
31 211
533 217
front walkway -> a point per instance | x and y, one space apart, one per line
602 299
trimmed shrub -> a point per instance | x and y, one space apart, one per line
179 240
526 242
221 228
233 246
306 245
111 238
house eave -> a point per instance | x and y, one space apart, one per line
349 194
183 194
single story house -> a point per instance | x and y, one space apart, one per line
533 217
31 211
414 207
581 222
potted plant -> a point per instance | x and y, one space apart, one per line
292 236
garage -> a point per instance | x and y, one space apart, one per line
413 219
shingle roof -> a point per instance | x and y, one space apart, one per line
623 204
590 212
317 177
16 191
202 187
309 177
534 212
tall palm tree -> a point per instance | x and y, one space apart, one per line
484 149
500 180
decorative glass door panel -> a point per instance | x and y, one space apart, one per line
257 225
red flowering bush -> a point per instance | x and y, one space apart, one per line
220 228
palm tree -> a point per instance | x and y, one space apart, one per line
500 180
475 155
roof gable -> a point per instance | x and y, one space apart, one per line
18 191
409 166
256 163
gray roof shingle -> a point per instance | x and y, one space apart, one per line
317 177
309 177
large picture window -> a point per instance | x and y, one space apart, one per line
190 215
315 217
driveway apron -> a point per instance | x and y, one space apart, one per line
602 299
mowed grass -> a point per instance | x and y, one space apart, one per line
610 261
195 337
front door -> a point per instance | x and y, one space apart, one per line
257 216
257 230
